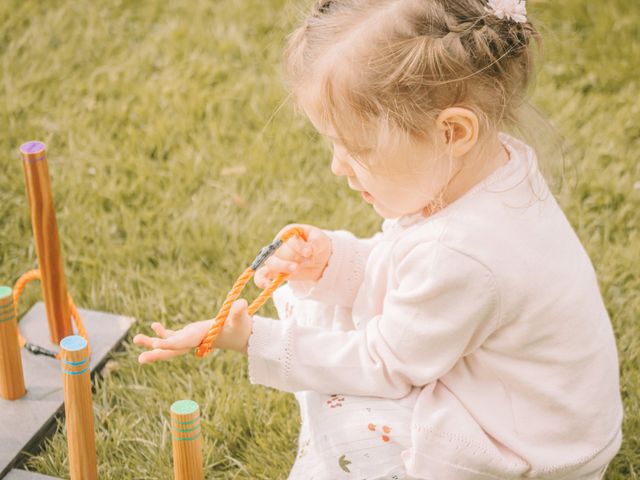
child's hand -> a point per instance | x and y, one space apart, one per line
234 336
301 260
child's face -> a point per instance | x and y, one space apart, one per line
405 183
404 180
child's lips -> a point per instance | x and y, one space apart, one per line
367 197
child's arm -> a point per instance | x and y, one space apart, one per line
169 343
444 305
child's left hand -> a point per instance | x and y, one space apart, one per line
234 336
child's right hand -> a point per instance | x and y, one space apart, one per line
302 261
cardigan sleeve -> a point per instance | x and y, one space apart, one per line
344 273
443 305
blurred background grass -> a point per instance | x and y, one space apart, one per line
173 162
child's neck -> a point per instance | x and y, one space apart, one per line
484 159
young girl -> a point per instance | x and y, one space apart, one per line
468 339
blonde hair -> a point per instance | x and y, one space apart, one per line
395 64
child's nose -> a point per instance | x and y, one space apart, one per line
340 168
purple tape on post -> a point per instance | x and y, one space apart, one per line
33 147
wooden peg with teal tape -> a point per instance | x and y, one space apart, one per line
187 443
75 361
11 373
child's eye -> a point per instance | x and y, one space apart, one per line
361 156
342 153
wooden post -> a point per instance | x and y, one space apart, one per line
78 409
45 233
11 375
187 444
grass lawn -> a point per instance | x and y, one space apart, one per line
173 163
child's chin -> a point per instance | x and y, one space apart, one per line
388 214
384 213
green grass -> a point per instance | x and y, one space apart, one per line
144 106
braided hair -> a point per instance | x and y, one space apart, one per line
398 63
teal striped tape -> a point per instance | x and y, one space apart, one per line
75 364
186 422
7 311
71 372
7 307
187 438
185 430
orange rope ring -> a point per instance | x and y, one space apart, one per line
75 315
206 345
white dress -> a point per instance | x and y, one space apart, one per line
348 436
345 436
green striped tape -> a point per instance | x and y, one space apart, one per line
7 309
185 430
186 439
187 422
7 306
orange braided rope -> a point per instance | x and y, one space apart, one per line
206 345
17 291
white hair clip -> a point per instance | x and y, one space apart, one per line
511 9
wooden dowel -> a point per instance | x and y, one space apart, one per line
187 444
11 374
45 234
78 408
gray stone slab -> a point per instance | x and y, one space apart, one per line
24 475
24 422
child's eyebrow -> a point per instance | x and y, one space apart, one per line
331 142
335 141
327 136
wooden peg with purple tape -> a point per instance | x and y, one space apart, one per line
45 234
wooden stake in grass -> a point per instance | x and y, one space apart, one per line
11 375
78 409
187 444
45 233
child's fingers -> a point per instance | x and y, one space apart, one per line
279 265
238 309
176 342
143 340
289 258
261 277
273 267
161 331
159 354
300 247
147 341
295 243
295 250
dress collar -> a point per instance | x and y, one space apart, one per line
402 222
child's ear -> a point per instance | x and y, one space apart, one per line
459 128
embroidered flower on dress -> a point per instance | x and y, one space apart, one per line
335 401
515 10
